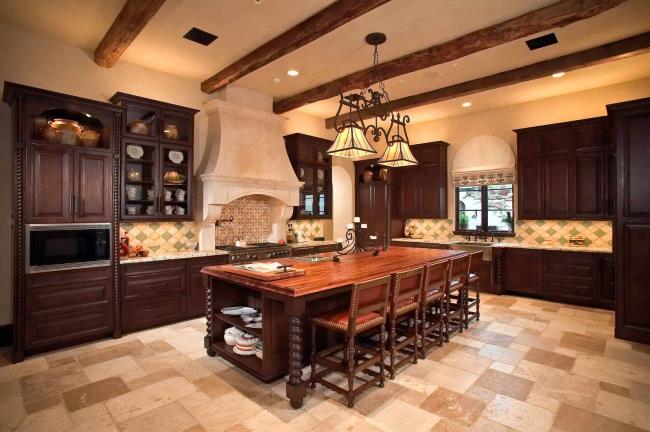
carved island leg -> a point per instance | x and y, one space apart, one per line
207 340
296 388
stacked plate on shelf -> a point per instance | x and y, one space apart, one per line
244 344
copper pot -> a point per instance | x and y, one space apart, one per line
69 130
89 138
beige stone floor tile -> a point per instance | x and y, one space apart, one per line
519 347
12 412
568 388
454 406
54 419
161 361
98 391
192 370
194 400
115 367
451 378
506 329
640 391
634 357
414 383
372 399
27 367
480 393
548 358
547 403
242 382
225 411
469 342
467 359
490 337
505 384
613 371
583 343
134 348
529 324
519 415
147 398
152 378
398 416
616 389
160 346
61 361
623 409
103 423
502 367
501 354
534 338
570 419
43 389
168 418
439 353
85 415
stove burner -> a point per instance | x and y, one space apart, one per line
255 252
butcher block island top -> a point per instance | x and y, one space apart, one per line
324 275
287 305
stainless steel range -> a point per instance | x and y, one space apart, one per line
255 252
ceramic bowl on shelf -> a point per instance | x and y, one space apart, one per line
249 317
139 127
258 349
231 334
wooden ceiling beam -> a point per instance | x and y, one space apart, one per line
623 48
133 17
553 16
317 25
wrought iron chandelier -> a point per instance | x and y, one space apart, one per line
351 139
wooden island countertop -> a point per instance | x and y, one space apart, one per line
287 306
324 275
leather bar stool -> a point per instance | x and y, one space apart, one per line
368 307
436 278
473 282
454 303
404 304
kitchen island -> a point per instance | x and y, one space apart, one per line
288 304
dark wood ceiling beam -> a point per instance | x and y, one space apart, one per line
319 24
553 16
624 48
133 17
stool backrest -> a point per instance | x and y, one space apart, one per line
369 296
475 260
436 277
459 269
407 285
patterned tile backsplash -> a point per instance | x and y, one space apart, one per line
308 229
160 236
534 232
251 221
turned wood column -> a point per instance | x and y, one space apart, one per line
296 387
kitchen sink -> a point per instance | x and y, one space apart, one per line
486 247
311 258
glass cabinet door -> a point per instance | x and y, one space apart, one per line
175 172
139 179
141 121
175 127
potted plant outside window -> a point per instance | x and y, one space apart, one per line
463 221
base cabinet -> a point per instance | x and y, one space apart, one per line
523 272
162 292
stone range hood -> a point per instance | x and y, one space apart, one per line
244 155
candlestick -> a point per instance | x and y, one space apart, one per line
357 219
364 226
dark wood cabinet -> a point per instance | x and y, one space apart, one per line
49 188
157 159
571 277
313 166
197 283
631 132
409 194
93 187
565 171
524 272
607 295
372 205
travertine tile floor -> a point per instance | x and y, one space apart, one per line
528 365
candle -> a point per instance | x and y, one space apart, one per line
357 219
339 240
349 226
373 237
364 226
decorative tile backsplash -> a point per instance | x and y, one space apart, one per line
308 229
596 233
160 236
251 221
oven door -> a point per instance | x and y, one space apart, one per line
67 246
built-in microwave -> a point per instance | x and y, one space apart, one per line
67 246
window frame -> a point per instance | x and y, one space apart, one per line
484 214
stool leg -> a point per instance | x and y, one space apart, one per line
478 300
382 355
466 307
440 329
392 337
446 317
460 306
350 356
312 380
423 332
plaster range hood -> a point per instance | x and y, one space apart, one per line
244 155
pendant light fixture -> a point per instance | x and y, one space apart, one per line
351 138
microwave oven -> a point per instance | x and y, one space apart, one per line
67 246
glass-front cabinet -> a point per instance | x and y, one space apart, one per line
313 167
157 159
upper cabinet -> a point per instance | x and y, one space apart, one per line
421 190
157 159
313 166
67 145
564 171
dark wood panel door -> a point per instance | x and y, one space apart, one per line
197 283
93 186
363 202
432 187
632 236
410 194
610 185
524 271
557 141
589 182
557 188
531 188
49 191
607 292
380 203
590 136
571 277
530 144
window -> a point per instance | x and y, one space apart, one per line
485 209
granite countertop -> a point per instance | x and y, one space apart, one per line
163 256
555 247
311 243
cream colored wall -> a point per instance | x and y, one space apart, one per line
342 171
38 61
501 121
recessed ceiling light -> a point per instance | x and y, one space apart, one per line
276 80
466 104
293 73
257 2
558 75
